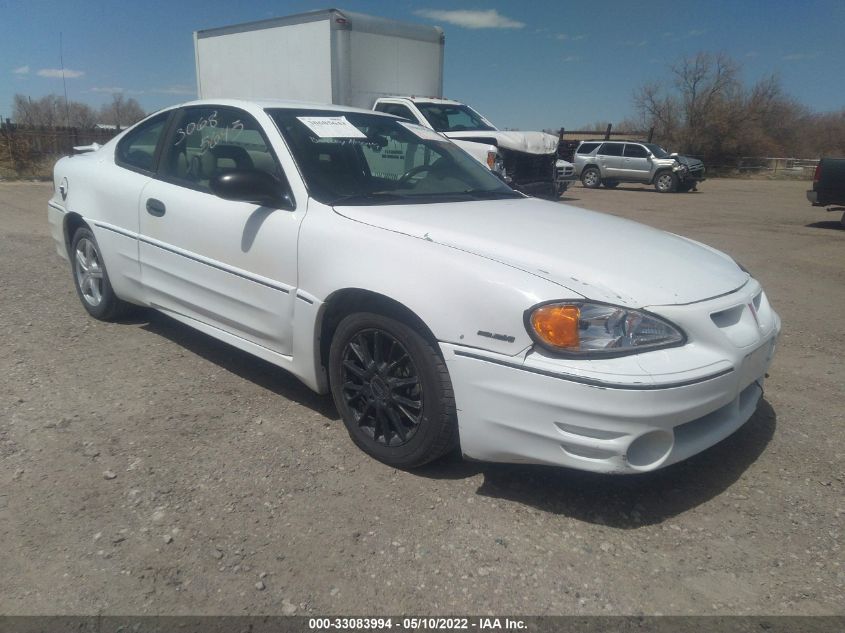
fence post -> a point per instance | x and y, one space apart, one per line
651 134
607 132
9 143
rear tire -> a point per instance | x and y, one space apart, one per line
91 279
666 182
392 390
591 178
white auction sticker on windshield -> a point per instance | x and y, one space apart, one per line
423 132
331 127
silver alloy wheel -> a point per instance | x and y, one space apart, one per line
664 182
89 272
591 178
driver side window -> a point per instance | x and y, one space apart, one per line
208 141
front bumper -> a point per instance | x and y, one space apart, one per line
533 409
546 189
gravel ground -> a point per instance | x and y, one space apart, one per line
148 469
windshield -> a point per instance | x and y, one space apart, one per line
359 158
658 151
450 117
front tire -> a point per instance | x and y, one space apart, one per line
591 178
392 390
666 182
91 278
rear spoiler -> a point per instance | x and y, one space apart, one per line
81 149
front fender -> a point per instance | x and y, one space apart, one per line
462 298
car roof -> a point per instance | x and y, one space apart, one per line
613 140
264 104
414 99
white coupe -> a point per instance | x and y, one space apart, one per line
375 260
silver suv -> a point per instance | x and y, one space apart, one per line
610 162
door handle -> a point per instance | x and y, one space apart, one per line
155 207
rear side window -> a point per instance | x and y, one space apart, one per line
396 109
137 149
635 151
611 149
207 141
587 148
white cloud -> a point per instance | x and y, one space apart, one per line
178 89
490 19
56 73
21 70
579 37
697 32
562 36
570 58
107 89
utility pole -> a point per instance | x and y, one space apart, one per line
64 83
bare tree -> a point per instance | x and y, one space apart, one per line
121 112
47 111
704 109
51 111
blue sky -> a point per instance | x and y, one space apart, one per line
530 65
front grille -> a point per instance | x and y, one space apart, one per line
529 167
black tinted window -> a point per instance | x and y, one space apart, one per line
210 140
587 148
137 149
611 149
396 109
635 151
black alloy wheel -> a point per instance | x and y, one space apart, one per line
381 386
392 389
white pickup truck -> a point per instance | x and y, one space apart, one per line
527 160
359 60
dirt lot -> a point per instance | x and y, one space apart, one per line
236 490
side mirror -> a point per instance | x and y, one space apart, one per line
251 185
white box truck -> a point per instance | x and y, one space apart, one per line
364 61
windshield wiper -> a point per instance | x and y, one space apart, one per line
486 194
369 196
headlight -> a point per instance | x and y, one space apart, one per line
584 329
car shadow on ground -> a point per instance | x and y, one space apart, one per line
833 225
240 363
624 502
628 501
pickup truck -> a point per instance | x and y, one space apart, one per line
829 185
527 161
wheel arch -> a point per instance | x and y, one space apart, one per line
345 301
657 173
72 223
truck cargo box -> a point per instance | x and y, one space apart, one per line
328 56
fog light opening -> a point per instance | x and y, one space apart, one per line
650 450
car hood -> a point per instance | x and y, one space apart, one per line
599 256
528 142
692 163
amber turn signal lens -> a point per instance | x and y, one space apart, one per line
557 324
